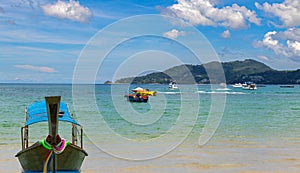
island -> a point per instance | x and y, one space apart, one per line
248 70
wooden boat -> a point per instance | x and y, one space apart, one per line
136 98
53 153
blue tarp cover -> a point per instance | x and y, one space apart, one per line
37 112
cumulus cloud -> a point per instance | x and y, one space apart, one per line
288 11
289 34
294 46
71 10
226 34
36 68
286 43
173 34
204 12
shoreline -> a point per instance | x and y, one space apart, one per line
189 157
217 155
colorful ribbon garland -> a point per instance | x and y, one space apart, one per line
53 150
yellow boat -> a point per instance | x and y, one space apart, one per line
144 92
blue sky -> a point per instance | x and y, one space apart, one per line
42 40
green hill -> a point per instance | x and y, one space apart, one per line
235 72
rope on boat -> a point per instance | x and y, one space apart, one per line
50 155
53 150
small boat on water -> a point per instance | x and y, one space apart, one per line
173 85
287 86
52 153
144 92
249 86
136 98
237 85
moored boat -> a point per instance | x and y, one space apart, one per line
53 153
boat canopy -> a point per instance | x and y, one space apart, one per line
37 112
138 89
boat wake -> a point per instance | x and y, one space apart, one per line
169 92
223 89
218 92
204 92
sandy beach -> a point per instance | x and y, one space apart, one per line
233 158
227 156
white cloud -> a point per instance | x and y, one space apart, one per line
36 68
289 34
68 10
294 46
263 57
173 34
287 11
204 12
226 34
286 43
269 40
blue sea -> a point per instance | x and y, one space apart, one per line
197 128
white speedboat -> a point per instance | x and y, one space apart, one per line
173 85
250 86
237 85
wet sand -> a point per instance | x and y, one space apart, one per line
231 157
215 156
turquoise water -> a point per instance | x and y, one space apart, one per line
266 120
